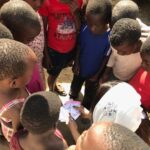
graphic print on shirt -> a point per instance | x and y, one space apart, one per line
65 29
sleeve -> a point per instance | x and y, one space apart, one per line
80 2
13 145
44 9
111 60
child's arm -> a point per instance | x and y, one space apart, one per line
102 67
109 68
46 59
76 13
97 76
106 74
74 129
14 115
76 68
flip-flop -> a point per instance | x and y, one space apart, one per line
60 90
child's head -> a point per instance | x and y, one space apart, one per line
35 4
16 64
98 14
21 20
145 54
102 90
5 32
124 9
125 36
40 112
110 136
2 2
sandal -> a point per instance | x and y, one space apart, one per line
60 90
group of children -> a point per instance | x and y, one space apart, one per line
103 44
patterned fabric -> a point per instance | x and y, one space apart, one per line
15 145
8 131
37 45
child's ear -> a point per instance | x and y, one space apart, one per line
13 83
138 45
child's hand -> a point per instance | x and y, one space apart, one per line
74 7
85 113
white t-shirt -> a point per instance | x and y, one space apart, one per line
124 66
145 30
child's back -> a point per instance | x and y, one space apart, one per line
41 124
15 73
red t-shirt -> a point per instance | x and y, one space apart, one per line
141 82
61 25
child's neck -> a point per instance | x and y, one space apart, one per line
35 138
9 93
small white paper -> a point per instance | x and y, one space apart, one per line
68 108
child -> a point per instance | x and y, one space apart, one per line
125 59
39 116
21 20
129 9
109 136
62 19
124 9
94 50
25 29
17 62
142 78
37 45
118 103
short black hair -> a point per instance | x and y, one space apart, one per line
116 137
17 15
125 30
101 91
100 7
146 46
12 58
40 112
124 9
5 32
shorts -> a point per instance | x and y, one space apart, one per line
59 61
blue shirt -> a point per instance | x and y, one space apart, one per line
93 49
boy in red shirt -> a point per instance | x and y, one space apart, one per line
63 22
141 81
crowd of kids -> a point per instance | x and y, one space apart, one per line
108 49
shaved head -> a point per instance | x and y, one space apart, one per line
110 136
